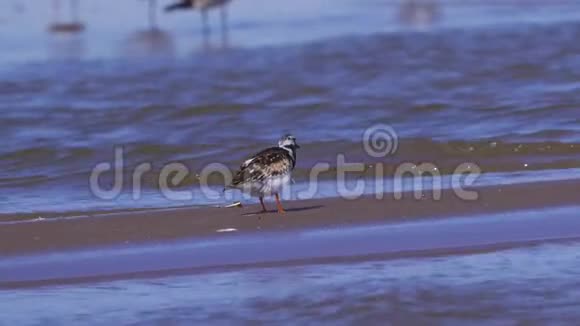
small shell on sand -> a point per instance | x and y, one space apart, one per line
227 230
236 204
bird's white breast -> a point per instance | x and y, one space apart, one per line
268 186
278 182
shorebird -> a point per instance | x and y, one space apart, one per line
203 6
74 26
265 173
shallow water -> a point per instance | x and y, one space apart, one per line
495 85
448 235
81 201
491 83
530 285
451 271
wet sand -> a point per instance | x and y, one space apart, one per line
157 226
430 238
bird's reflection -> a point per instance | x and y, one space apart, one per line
66 47
149 43
420 13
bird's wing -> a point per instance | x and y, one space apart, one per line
269 162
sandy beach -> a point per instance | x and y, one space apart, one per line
129 228
94 232
164 243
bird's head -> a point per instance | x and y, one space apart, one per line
288 141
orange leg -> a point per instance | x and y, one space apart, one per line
264 210
279 205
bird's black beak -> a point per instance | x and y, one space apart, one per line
297 146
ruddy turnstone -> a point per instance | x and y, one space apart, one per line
265 173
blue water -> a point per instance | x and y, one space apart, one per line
532 285
496 85
513 267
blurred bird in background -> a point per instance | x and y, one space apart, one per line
203 6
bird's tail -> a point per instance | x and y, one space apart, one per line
177 6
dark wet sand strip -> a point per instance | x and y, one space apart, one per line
426 238
129 228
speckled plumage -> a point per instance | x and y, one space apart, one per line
268 171
270 162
